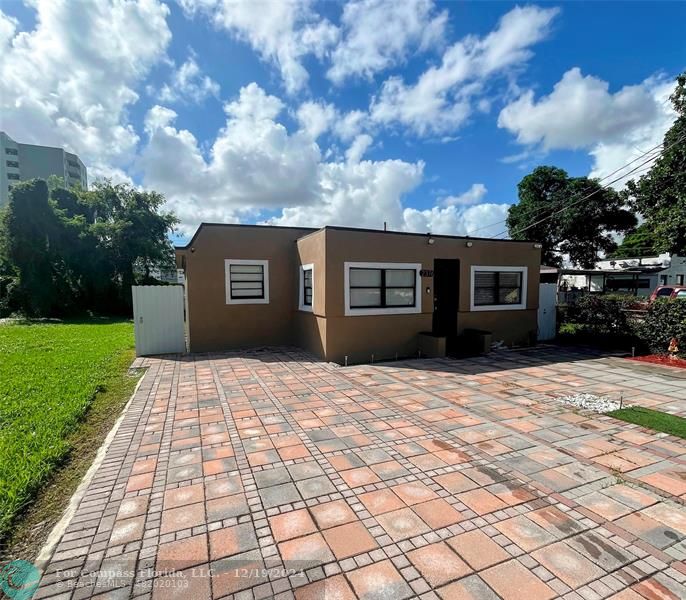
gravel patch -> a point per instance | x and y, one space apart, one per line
599 404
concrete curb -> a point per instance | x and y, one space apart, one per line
58 530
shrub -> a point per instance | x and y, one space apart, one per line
665 319
603 314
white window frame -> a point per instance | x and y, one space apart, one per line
301 293
520 306
398 310
227 281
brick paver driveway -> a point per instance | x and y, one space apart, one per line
273 475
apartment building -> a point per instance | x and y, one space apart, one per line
19 162
354 295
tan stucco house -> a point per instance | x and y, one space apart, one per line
351 293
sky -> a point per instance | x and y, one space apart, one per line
423 115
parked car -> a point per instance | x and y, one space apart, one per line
668 291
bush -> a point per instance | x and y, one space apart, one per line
665 319
602 314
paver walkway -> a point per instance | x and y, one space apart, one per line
270 474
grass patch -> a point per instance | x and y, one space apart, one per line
50 375
652 419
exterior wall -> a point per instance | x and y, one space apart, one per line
677 267
38 162
326 330
214 325
359 337
311 327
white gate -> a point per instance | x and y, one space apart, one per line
547 311
158 319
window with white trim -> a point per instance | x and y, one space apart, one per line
498 288
306 288
376 288
247 281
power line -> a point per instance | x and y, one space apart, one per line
574 203
547 208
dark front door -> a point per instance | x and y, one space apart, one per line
446 297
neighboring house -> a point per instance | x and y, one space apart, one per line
341 292
19 162
638 276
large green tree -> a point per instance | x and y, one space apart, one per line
65 250
660 194
550 211
639 242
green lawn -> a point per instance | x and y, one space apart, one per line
652 419
49 376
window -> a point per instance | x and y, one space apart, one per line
14 176
12 151
73 163
74 175
663 279
681 294
680 279
665 291
306 294
247 281
389 288
12 163
498 288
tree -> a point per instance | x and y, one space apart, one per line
636 243
30 232
66 251
660 194
549 212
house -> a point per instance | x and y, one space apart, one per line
357 293
636 276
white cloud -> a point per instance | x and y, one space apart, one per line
188 83
379 34
316 118
473 195
359 146
456 220
441 100
283 32
581 113
71 80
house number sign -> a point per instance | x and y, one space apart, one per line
426 273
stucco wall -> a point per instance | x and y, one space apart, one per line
216 325
384 335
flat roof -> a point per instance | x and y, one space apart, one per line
313 230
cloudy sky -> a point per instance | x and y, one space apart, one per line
422 114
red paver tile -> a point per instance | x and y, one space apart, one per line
438 564
331 588
349 540
414 492
455 482
223 487
183 517
379 581
140 482
232 540
308 551
188 494
292 524
525 533
344 461
402 524
133 507
144 466
567 564
479 550
360 476
217 466
512 581
127 531
469 588
183 585
179 555
293 452
437 513
332 514
481 501
381 501
604 506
